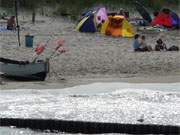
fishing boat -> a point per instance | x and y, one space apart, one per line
24 70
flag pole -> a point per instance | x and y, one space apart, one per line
17 22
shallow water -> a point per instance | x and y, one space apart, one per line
102 102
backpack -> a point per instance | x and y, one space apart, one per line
173 48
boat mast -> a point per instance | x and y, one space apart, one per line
17 21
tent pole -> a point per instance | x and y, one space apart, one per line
17 22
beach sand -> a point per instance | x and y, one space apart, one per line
92 57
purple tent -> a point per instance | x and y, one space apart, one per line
101 15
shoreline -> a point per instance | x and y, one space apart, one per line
74 81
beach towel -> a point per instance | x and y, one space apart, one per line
152 28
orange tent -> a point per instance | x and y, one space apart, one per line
117 26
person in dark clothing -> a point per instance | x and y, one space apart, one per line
11 23
144 46
160 45
156 13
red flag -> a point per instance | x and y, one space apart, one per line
59 42
40 48
61 50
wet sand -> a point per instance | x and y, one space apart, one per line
71 82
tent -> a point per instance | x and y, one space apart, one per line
117 26
166 18
143 12
87 24
91 19
175 20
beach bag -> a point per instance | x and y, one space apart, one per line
173 48
159 47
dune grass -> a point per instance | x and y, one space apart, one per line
74 8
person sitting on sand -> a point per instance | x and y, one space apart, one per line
11 23
160 45
143 44
136 44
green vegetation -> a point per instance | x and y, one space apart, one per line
74 8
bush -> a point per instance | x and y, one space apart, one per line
74 8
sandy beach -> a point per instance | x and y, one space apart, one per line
94 55
97 72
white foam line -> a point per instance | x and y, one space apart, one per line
104 88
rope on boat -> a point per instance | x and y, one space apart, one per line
83 127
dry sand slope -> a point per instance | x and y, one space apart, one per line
92 54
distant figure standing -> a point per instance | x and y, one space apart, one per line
156 13
160 45
136 45
143 44
124 13
121 12
11 23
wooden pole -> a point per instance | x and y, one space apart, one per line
17 22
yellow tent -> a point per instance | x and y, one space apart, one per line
117 26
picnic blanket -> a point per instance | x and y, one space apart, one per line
138 22
152 28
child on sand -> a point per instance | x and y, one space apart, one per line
160 45
143 44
